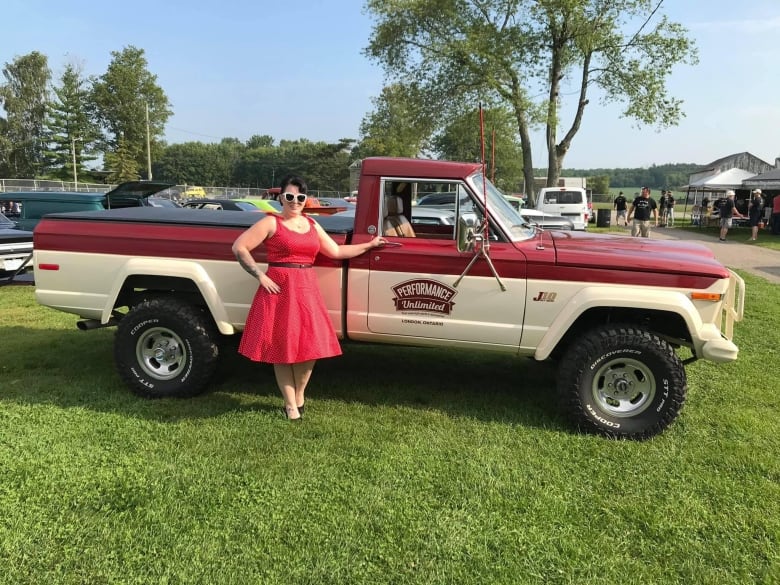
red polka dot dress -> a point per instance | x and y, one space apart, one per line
293 325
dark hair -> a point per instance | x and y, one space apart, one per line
293 180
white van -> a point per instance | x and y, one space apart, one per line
570 202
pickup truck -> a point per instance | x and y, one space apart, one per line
621 316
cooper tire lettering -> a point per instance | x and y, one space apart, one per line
166 347
622 382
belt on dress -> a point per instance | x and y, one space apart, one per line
289 265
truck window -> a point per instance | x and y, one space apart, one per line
428 206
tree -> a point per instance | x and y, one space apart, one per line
121 97
72 134
599 183
525 53
123 162
25 98
399 126
461 140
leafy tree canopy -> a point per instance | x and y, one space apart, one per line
531 56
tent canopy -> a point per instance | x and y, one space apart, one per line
730 179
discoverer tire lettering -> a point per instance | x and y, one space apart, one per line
165 347
622 382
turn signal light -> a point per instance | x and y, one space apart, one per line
703 296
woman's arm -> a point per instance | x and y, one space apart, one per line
332 250
251 239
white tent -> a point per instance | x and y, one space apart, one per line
730 179
719 182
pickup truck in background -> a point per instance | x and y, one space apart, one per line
33 205
621 316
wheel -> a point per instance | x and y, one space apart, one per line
622 382
166 348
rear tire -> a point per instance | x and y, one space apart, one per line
166 348
622 382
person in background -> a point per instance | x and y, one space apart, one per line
669 204
727 211
288 324
620 208
755 207
776 215
662 208
641 209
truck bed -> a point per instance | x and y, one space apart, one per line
333 224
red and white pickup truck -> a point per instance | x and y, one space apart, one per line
620 315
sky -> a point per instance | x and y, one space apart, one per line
295 69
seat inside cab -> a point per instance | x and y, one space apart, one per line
396 222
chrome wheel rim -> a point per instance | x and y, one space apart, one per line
624 387
161 353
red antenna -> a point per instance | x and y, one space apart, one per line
484 170
493 158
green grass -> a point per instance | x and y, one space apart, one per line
412 466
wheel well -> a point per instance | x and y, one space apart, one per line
666 324
138 287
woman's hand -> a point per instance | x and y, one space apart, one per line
268 284
377 242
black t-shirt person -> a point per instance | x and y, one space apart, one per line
620 203
643 208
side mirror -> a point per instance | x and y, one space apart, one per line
465 234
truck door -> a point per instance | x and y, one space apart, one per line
411 281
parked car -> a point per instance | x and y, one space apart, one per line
265 205
516 202
193 193
162 202
222 204
334 202
424 215
420 215
15 246
35 204
571 202
546 221
446 199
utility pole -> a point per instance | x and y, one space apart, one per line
75 171
148 146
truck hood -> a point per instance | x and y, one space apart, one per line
636 254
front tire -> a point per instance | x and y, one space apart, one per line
166 348
622 382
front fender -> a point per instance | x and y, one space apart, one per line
594 297
172 268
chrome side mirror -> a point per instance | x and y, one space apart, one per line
466 232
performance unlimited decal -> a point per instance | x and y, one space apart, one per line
423 295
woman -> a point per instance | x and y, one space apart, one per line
288 324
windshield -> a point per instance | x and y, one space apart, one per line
501 211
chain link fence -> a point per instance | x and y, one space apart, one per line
176 192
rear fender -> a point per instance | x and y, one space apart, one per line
172 268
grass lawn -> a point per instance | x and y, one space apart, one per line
448 467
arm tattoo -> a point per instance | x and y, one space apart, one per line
250 268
